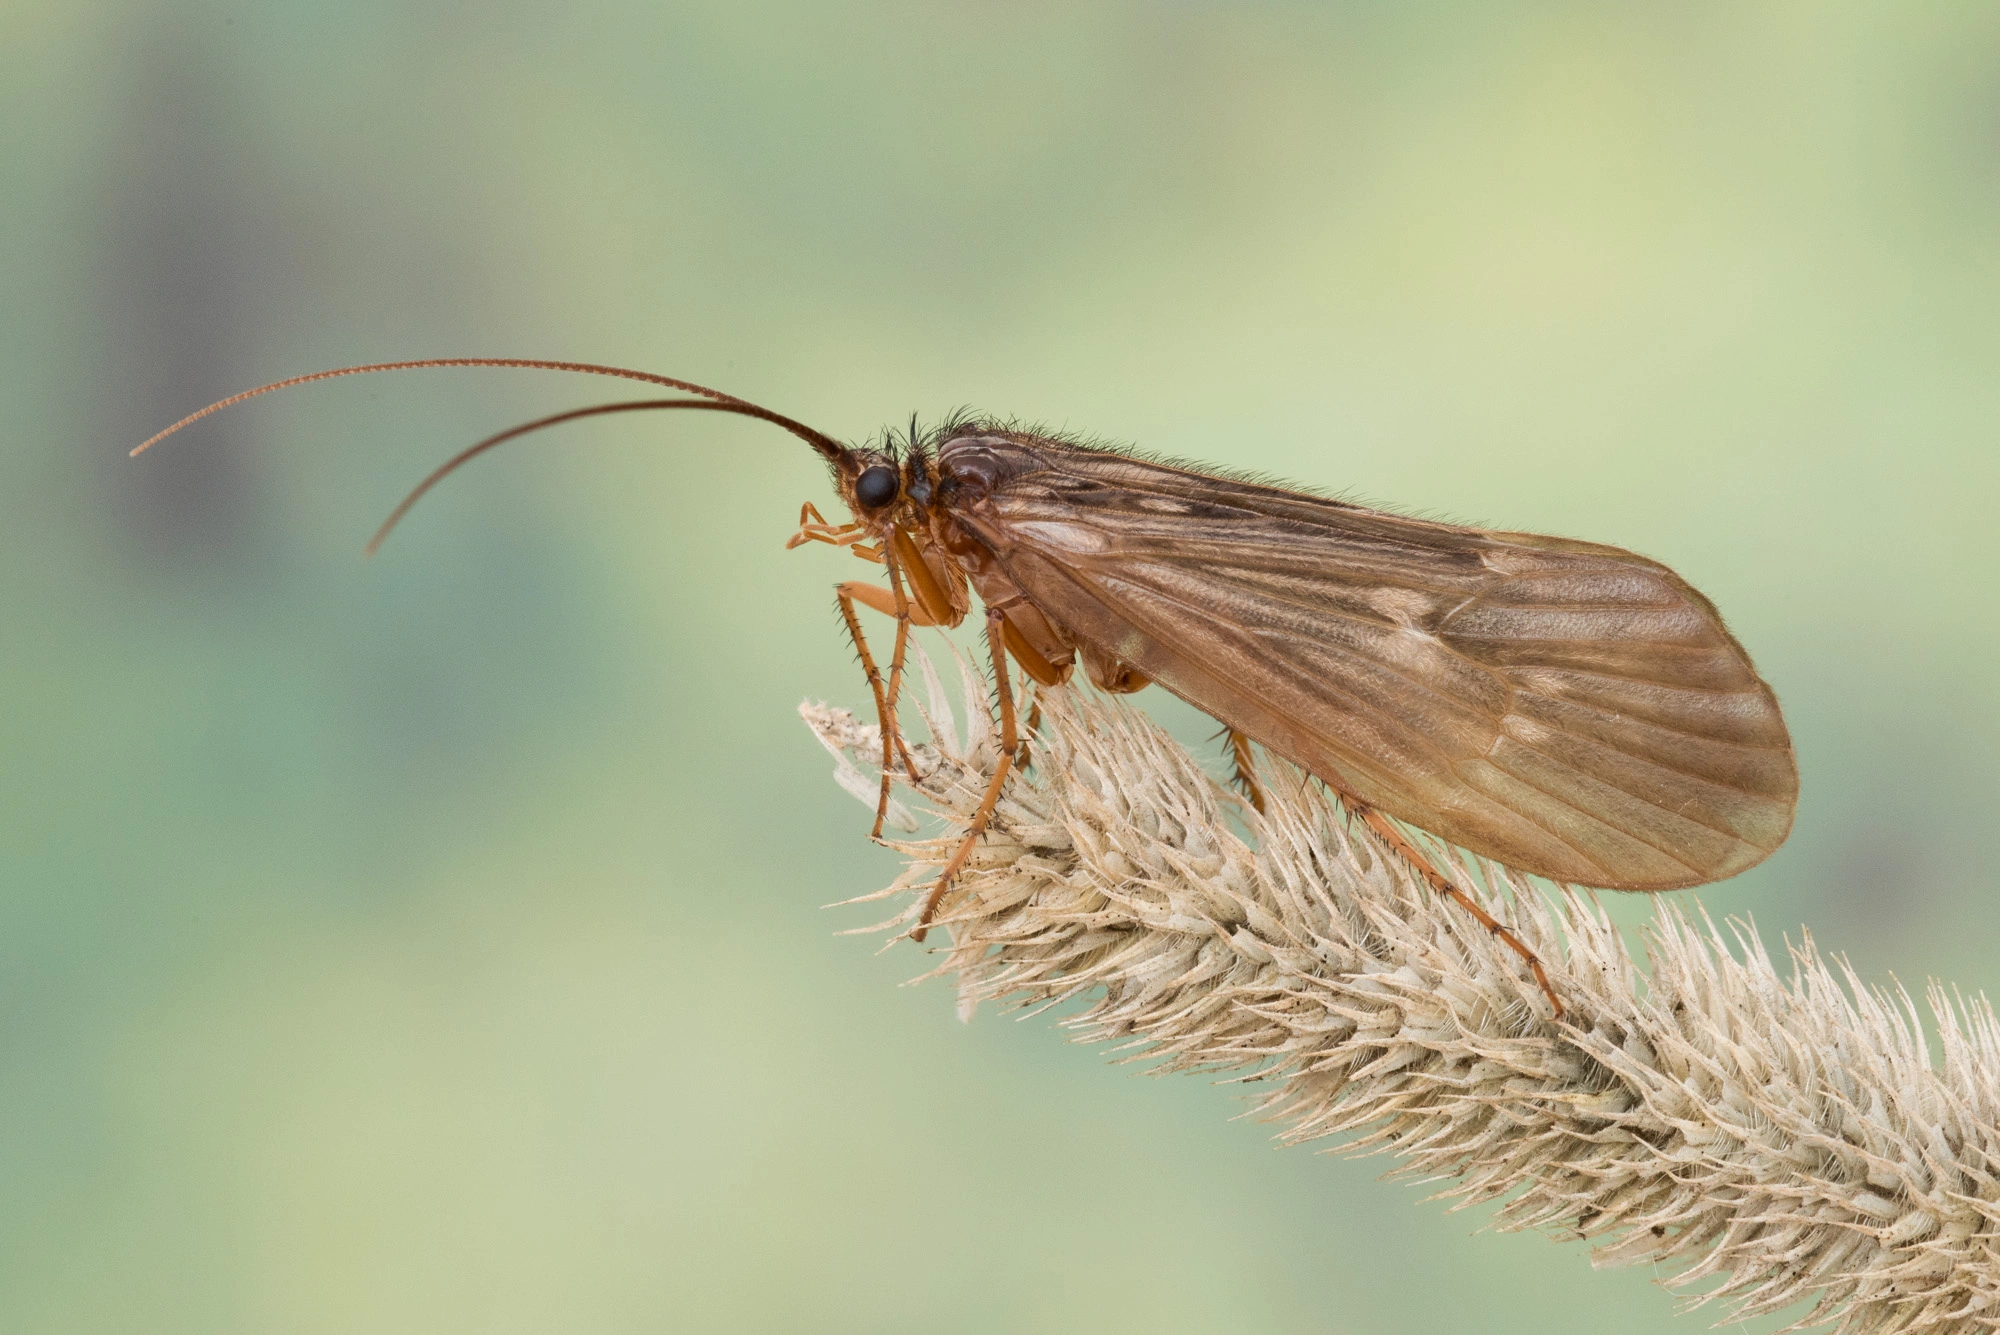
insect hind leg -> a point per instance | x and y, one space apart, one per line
1244 776
1441 884
1010 745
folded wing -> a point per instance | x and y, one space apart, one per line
1568 709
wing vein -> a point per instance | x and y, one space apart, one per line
1405 660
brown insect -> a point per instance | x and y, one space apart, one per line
1566 709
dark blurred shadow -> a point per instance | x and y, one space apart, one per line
178 277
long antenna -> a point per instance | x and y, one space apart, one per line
471 452
829 449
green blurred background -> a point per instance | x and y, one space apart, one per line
434 944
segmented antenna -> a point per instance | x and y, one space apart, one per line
829 449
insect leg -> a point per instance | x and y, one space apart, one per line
1441 884
1033 726
881 600
1010 742
844 593
903 611
844 536
814 528
1246 769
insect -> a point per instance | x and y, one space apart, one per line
1570 710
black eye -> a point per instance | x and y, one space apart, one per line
876 486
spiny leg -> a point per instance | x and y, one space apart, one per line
1246 769
846 600
903 611
1031 728
882 600
1441 884
1010 742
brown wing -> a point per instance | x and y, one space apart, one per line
1567 709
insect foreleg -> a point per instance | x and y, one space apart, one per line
1010 742
813 528
1443 885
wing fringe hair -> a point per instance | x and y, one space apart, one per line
1764 1138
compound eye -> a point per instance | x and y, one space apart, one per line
876 486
